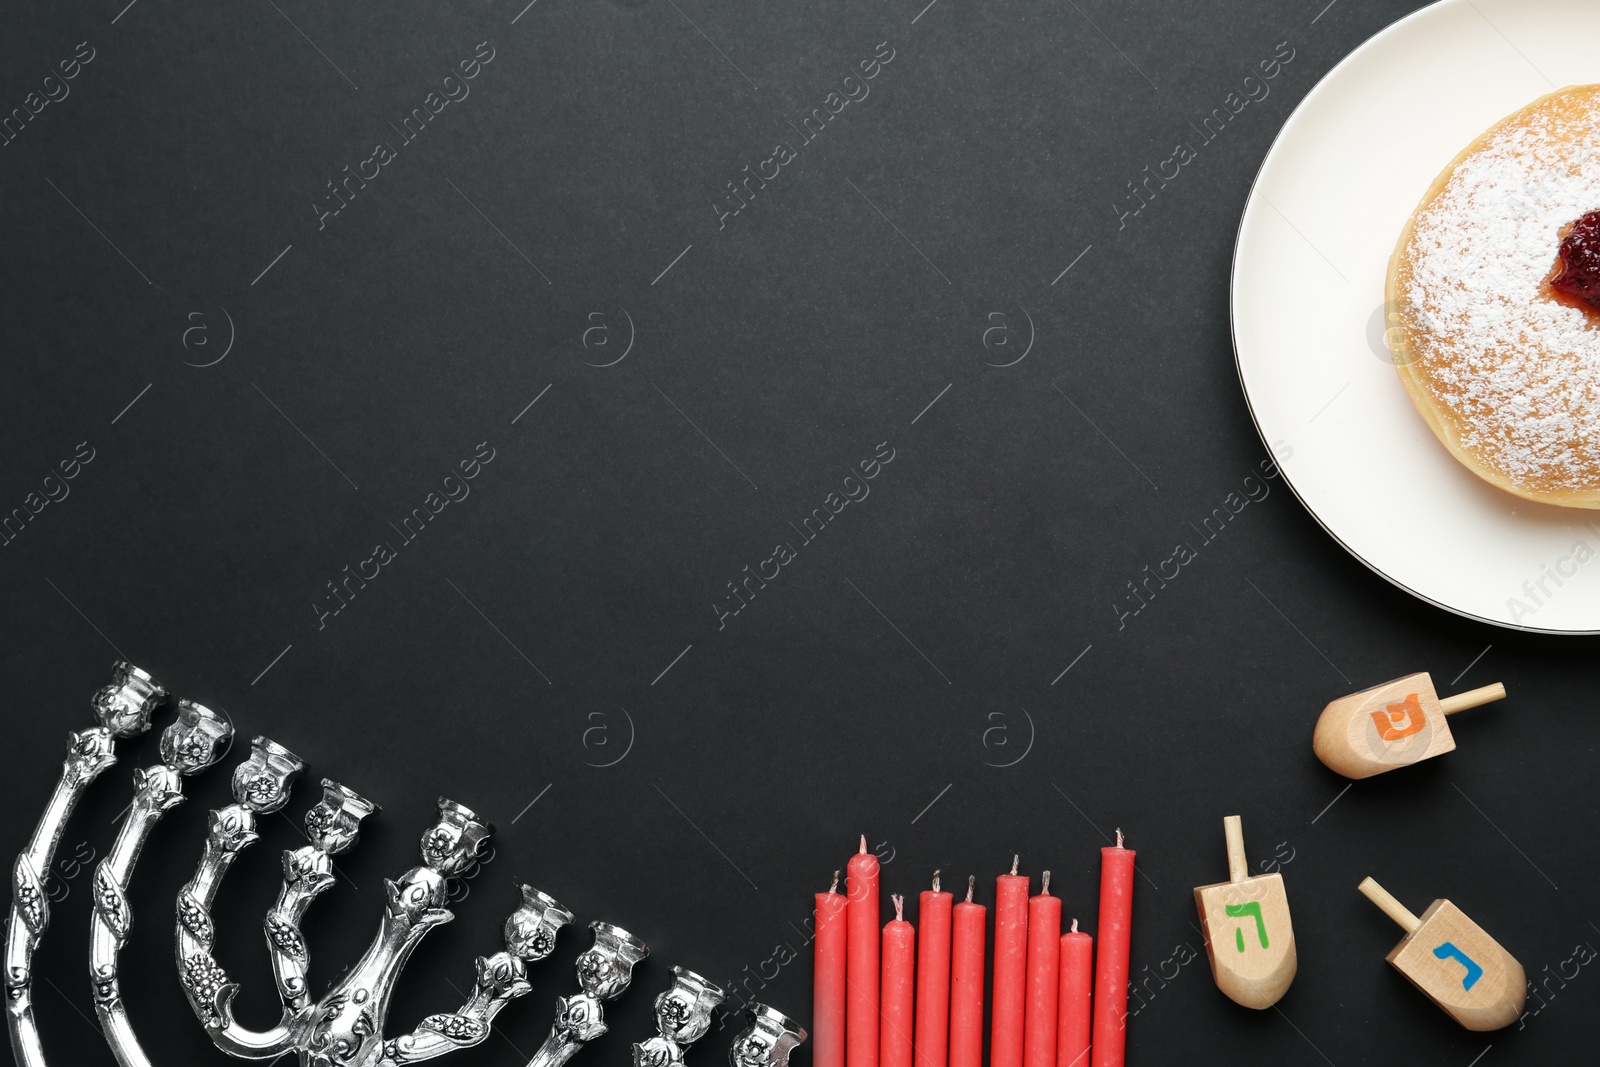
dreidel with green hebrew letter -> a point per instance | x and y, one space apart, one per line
1246 922
1391 725
1450 958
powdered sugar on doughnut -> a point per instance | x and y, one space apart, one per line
1518 369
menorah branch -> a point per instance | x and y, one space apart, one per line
193 743
333 827
123 710
345 1027
530 936
469 1024
261 786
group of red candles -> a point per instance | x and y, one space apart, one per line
903 997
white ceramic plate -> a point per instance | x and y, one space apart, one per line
1343 176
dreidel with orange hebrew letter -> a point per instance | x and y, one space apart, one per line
1450 958
1247 931
1391 725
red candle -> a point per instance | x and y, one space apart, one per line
1010 967
933 975
1111 969
899 971
1044 977
966 981
827 1014
861 961
1072 1008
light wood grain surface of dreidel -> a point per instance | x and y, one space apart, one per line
1248 934
1451 959
1391 725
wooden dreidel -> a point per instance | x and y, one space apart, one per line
1247 931
1391 725
1450 958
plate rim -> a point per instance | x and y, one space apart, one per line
1233 336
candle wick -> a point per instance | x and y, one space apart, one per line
1015 859
935 881
1074 925
834 888
1119 837
1044 888
864 841
899 907
972 880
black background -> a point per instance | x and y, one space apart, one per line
918 642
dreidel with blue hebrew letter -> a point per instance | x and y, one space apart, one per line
1450 958
1246 922
1391 725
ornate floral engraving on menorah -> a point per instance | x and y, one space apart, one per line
345 1027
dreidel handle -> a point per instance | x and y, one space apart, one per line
1473 698
1391 907
1233 831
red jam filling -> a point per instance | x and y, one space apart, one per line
1578 274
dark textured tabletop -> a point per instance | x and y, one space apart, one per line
694 435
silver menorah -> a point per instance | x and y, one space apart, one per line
345 1027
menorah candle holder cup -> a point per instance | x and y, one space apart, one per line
530 931
1391 725
683 1016
1257 964
1451 959
124 707
345 1027
767 1041
261 783
453 842
333 825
